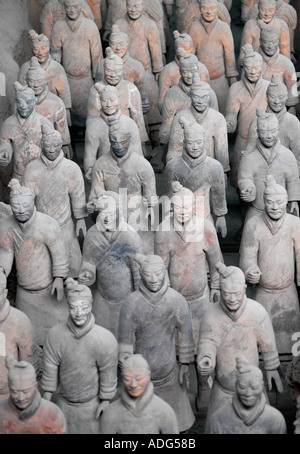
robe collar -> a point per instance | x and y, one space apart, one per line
154 297
269 60
125 57
80 331
42 96
120 162
199 115
112 235
252 87
185 88
24 225
74 25
190 232
31 409
24 121
209 26
110 118
137 405
191 162
269 154
273 226
52 164
249 415
280 114
5 311
234 315
134 23
46 64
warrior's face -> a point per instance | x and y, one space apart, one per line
275 205
249 388
183 208
25 103
134 8
208 9
119 46
109 103
37 82
22 390
277 100
73 9
187 72
51 147
194 147
270 45
22 207
252 69
153 276
119 143
80 310
268 133
233 294
108 218
135 380
41 51
113 73
266 11
200 100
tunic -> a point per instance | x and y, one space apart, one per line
224 336
214 125
243 100
185 255
22 139
276 290
40 254
170 76
17 339
148 414
130 103
204 176
106 256
56 77
289 132
256 164
54 10
59 192
234 418
67 38
251 35
214 47
178 98
133 71
145 46
83 361
149 324
53 108
97 136
282 65
40 417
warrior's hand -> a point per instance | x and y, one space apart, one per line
214 295
88 175
221 226
145 105
47 395
104 404
205 366
85 278
80 225
4 159
294 209
230 126
273 374
58 285
248 194
91 206
184 368
254 276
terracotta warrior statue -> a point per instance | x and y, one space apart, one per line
105 260
122 171
54 10
285 12
138 410
189 246
21 133
274 234
243 99
34 240
25 411
155 321
268 157
213 43
289 125
82 358
232 326
145 46
56 76
266 13
249 412
178 97
48 104
170 74
75 43
58 187
16 337
133 70
276 63
201 174
130 98
192 13
246 6
213 123
97 129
